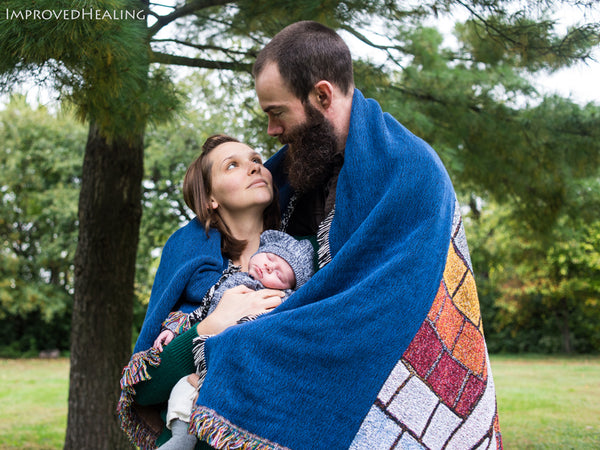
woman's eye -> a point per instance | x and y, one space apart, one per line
231 165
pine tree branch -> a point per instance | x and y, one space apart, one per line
370 43
562 49
386 48
164 58
162 5
204 47
188 8
429 97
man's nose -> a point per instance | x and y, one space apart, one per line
274 129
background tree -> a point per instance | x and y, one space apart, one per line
108 69
541 294
102 66
40 157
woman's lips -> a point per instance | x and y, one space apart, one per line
257 183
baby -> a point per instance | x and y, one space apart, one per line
281 262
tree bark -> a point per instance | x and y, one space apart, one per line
109 220
565 330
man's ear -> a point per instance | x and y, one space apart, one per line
324 94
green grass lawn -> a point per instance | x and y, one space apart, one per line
33 395
548 402
544 402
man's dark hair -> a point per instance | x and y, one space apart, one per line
306 53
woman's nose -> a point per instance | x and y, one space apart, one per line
254 167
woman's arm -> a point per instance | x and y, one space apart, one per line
236 303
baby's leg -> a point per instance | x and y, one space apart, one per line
194 380
181 439
181 402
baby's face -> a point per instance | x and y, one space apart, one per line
272 271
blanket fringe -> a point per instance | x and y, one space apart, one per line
209 426
198 348
136 429
178 322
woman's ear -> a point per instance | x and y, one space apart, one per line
213 204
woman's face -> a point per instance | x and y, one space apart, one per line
240 182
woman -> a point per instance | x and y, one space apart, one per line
231 193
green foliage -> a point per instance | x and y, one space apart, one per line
498 137
520 41
538 294
41 159
100 66
270 17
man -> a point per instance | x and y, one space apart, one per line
384 346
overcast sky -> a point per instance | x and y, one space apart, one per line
581 83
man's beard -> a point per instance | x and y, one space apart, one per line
312 147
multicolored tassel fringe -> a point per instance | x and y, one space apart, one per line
132 424
208 426
178 322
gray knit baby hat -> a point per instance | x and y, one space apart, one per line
298 254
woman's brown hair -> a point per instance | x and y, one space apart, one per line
196 193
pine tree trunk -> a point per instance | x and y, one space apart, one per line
109 220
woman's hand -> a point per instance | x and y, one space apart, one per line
163 339
236 303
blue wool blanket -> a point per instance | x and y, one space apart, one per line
349 359
191 262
